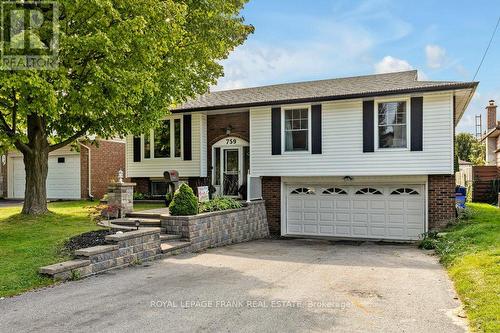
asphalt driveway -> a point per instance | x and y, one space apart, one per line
260 286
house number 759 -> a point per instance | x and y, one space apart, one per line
230 141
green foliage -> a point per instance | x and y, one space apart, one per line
75 275
138 196
468 148
184 202
219 203
121 66
470 250
428 241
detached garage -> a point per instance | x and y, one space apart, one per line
63 179
71 174
369 211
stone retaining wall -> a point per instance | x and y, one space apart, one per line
123 250
220 228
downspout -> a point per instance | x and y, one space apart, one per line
91 197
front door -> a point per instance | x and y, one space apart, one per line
231 172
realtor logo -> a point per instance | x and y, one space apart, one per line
29 35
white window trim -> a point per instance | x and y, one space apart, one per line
408 125
172 137
309 131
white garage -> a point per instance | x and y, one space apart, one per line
395 212
63 179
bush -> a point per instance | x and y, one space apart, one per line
184 202
429 241
138 196
219 203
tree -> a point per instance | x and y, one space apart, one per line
470 149
122 64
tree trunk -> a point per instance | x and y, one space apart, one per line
36 166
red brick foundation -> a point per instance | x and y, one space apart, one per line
441 200
142 185
271 193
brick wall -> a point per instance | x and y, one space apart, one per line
142 185
441 200
271 193
216 125
106 159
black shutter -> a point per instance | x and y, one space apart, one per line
137 148
368 127
186 140
276 131
417 119
316 128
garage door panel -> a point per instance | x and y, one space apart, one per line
341 203
377 204
389 215
359 204
342 217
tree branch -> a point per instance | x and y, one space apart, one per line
24 148
70 139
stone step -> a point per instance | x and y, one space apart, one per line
167 237
64 266
173 246
144 222
144 215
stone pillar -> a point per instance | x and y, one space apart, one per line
121 195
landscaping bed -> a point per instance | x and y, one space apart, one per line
87 239
470 250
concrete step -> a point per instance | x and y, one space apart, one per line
174 246
144 222
167 237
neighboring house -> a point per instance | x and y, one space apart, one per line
70 175
492 135
360 157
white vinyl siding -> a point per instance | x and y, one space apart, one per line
342 142
155 167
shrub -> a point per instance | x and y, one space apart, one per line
429 241
219 203
138 196
184 202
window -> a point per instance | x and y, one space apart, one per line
162 140
334 190
177 138
303 190
158 189
147 145
404 190
368 190
165 141
392 124
297 129
61 160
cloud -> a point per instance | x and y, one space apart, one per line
435 55
390 64
338 46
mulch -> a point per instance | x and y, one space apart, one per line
88 239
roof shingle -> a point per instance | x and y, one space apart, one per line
321 90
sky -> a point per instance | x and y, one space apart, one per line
310 40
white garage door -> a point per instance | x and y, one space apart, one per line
371 211
63 179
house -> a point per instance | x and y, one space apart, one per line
492 135
360 157
72 174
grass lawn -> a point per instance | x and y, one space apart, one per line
27 243
470 251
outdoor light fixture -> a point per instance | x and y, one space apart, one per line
137 224
348 178
229 129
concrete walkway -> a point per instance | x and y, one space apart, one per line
260 286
